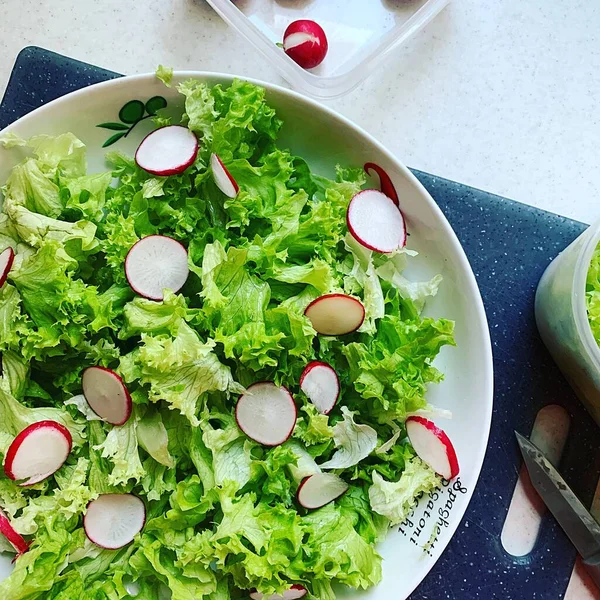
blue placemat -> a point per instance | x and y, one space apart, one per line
509 246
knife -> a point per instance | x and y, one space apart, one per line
575 519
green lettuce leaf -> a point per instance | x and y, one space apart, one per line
153 437
14 416
391 370
121 448
231 460
180 370
87 196
353 442
37 570
148 316
394 500
592 294
363 278
235 122
416 292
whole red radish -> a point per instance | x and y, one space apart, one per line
305 42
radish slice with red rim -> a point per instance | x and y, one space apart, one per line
113 520
266 413
7 258
107 395
169 150
432 446
156 263
320 489
37 452
376 222
294 593
385 181
15 539
321 384
223 178
335 314
305 42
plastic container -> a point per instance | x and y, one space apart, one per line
362 34
561 315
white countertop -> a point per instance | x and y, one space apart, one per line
504 96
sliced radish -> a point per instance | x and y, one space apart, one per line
321 384
266 413
15 539
167 151
335 314
385 181
37 452
155 263
113 520
295 592
376 222
305 43
432 446
6 261
320 489
223 178
107 395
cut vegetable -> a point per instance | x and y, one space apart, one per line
107 395
305 42
432 446
223 178
156 263
266 413
15 539
295 592
385 181
167 151
376 222
320 489
321 384
113 520
335 314
6 261
37 452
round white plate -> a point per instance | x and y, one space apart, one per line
325 139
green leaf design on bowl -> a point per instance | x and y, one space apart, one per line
155 104
114 138
130 115
132 112
114 126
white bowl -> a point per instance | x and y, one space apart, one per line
325 139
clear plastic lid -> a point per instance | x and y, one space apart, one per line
361 35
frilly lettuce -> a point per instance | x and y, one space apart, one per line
391 370
180 370
231 460
353 442
121 449
395 500
592 294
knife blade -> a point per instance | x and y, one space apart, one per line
574 518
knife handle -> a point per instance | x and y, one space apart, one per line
592 566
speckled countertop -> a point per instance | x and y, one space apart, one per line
504 96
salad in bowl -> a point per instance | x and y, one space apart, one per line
214 367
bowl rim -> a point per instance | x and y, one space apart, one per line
478 316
